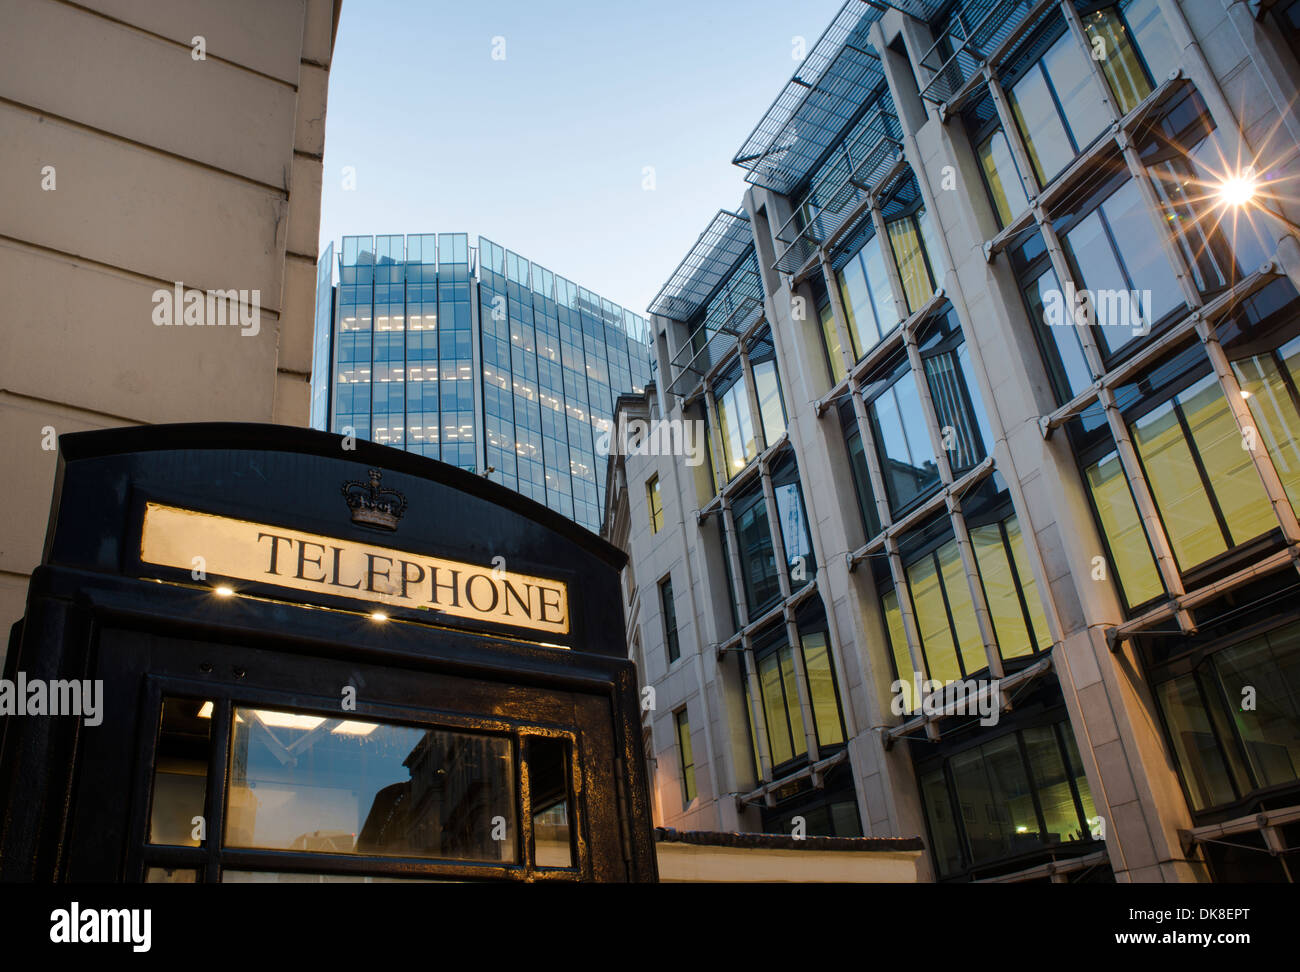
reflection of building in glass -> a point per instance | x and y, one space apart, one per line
477 357
916 476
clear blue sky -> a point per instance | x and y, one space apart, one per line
543 152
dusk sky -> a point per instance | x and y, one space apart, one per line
544 152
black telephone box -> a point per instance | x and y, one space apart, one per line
257 653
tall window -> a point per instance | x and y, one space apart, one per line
1002 177
907 238
958 408
1198 467
1269 381
1009 588
831 341
940 598
1116 37
686 755
736 424
945 615
1130 551
771 408
1225 748
825 699
1209 494
1057 105
1116 254
902 437
794 521
655 504
776 678
867 298
861 476
1022 791
1187 163
757 559
669 608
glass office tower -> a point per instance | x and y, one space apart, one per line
999 360
475 356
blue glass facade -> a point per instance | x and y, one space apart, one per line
478 357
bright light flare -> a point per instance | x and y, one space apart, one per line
1238 190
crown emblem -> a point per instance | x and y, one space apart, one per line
373 505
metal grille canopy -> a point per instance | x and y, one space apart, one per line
718 249
838 76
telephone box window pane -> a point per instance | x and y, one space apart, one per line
548 788
346 786
180 780
298 877
172 875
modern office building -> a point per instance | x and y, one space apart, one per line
151 148
996 540
478 357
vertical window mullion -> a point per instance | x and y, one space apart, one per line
214 809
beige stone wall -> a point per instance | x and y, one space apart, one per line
129 166
696 862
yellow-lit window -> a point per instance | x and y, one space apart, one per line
898 644
821 689
909 253
1005 187
1199 418
1268 382
834 349
1042 634
1133 562
1020 627
1114 50
955 584
932 621
687 756
655 503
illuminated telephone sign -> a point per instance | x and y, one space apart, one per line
341 663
